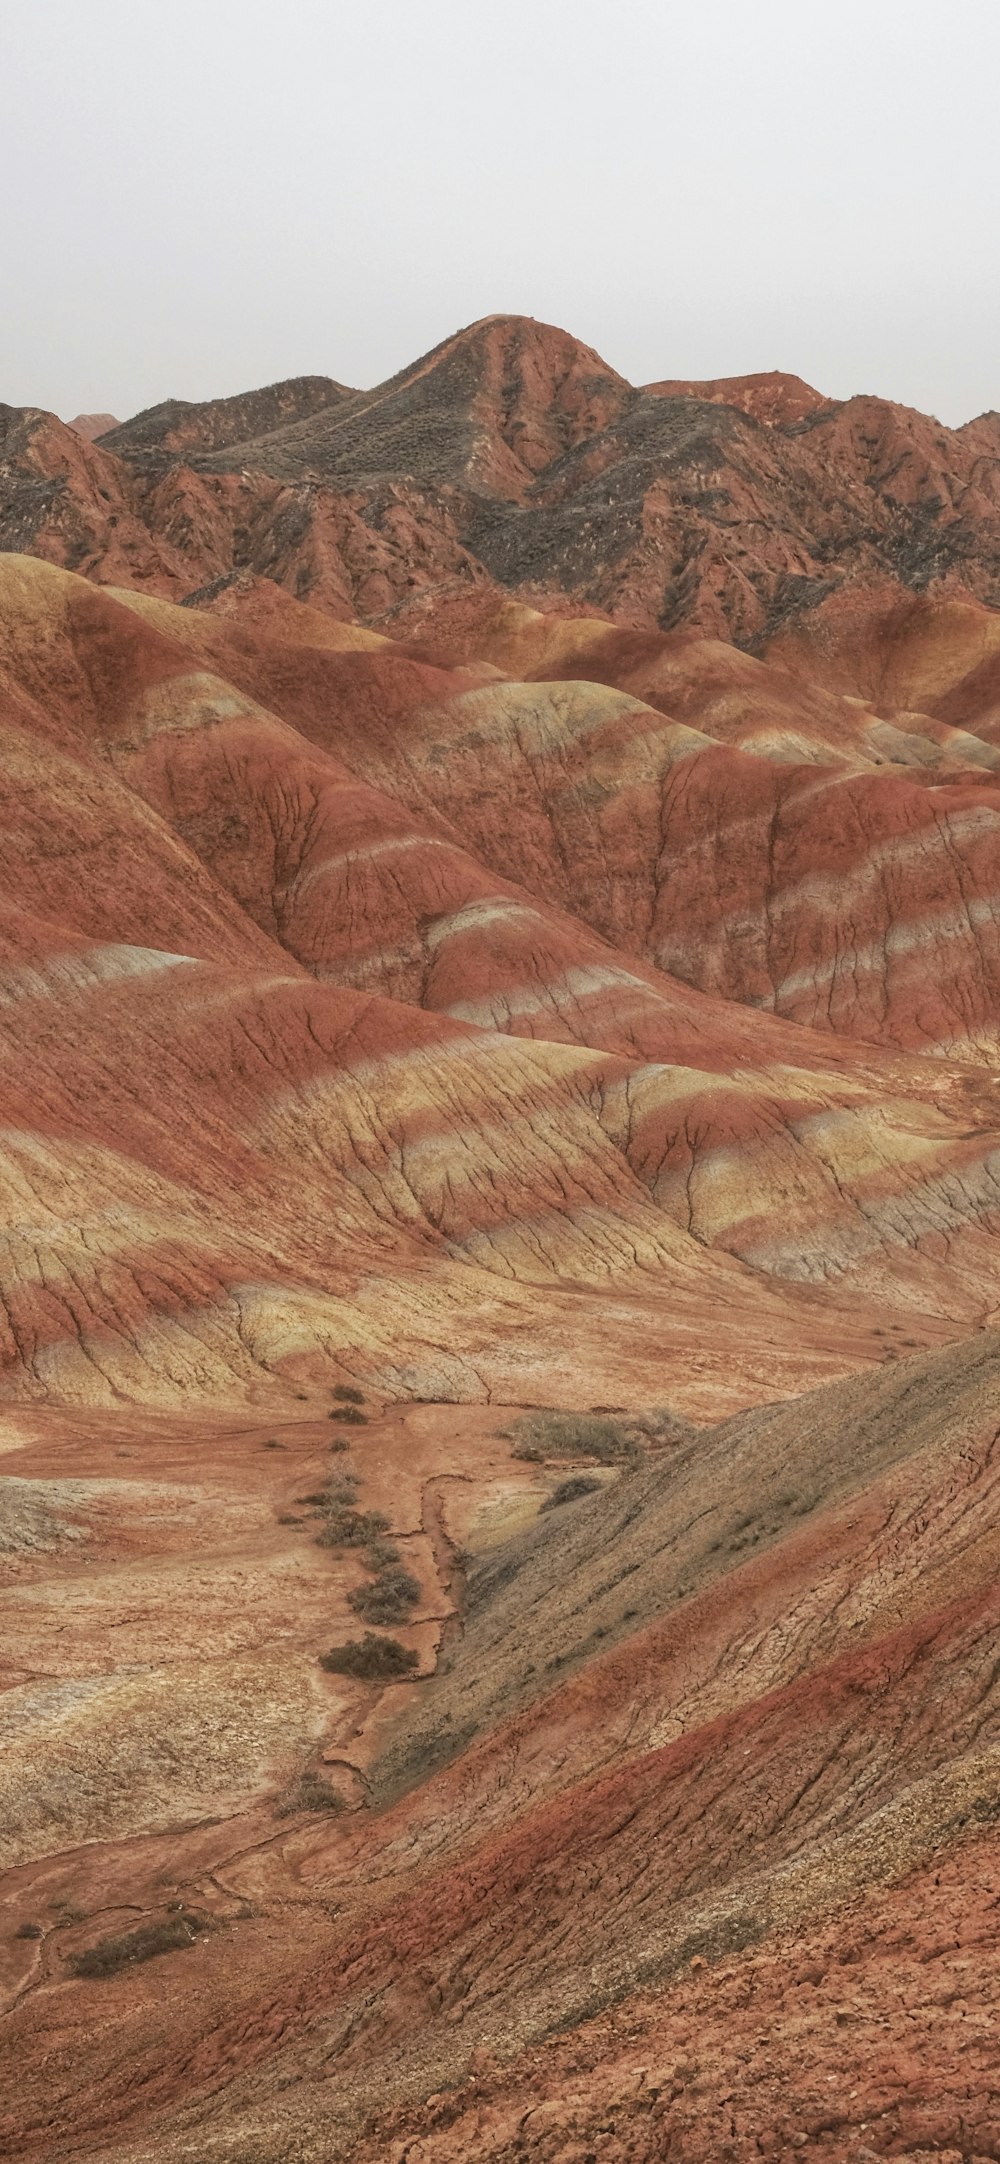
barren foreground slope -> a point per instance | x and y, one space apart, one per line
687 1848
499 911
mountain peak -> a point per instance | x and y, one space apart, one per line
93 425
772 397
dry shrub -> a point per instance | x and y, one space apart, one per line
389 1597
345 1395
549 1434
119 1951
347 1528
372 1658
309 1793
379 1553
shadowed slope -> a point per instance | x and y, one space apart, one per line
180 425
797 1714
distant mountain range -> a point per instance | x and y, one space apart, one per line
514 455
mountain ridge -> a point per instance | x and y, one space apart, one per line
511 453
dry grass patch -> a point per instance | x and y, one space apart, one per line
168 1935
549 1434
309 1793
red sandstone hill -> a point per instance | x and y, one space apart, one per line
540 1000
92 425
513 454
771 397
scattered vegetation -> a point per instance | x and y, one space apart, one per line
371 1657
549 1434
344 1487
348 1528
29 1931
388 1598
309 1793
166 1936
350 1414
570 1491
345 1395
339 1443
393 1591
272 1443
344 1525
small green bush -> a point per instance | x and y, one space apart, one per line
309 1793
29 1931
570 1491
372 1658
347 1396
272 1443
350 1415
549 1434
389 1597
164 1937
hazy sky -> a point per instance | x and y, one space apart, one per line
204 195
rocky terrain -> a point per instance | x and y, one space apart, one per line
499 1314
514 455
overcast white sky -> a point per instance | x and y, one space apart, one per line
205 195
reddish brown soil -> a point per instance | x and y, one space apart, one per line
747 1849
440 963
